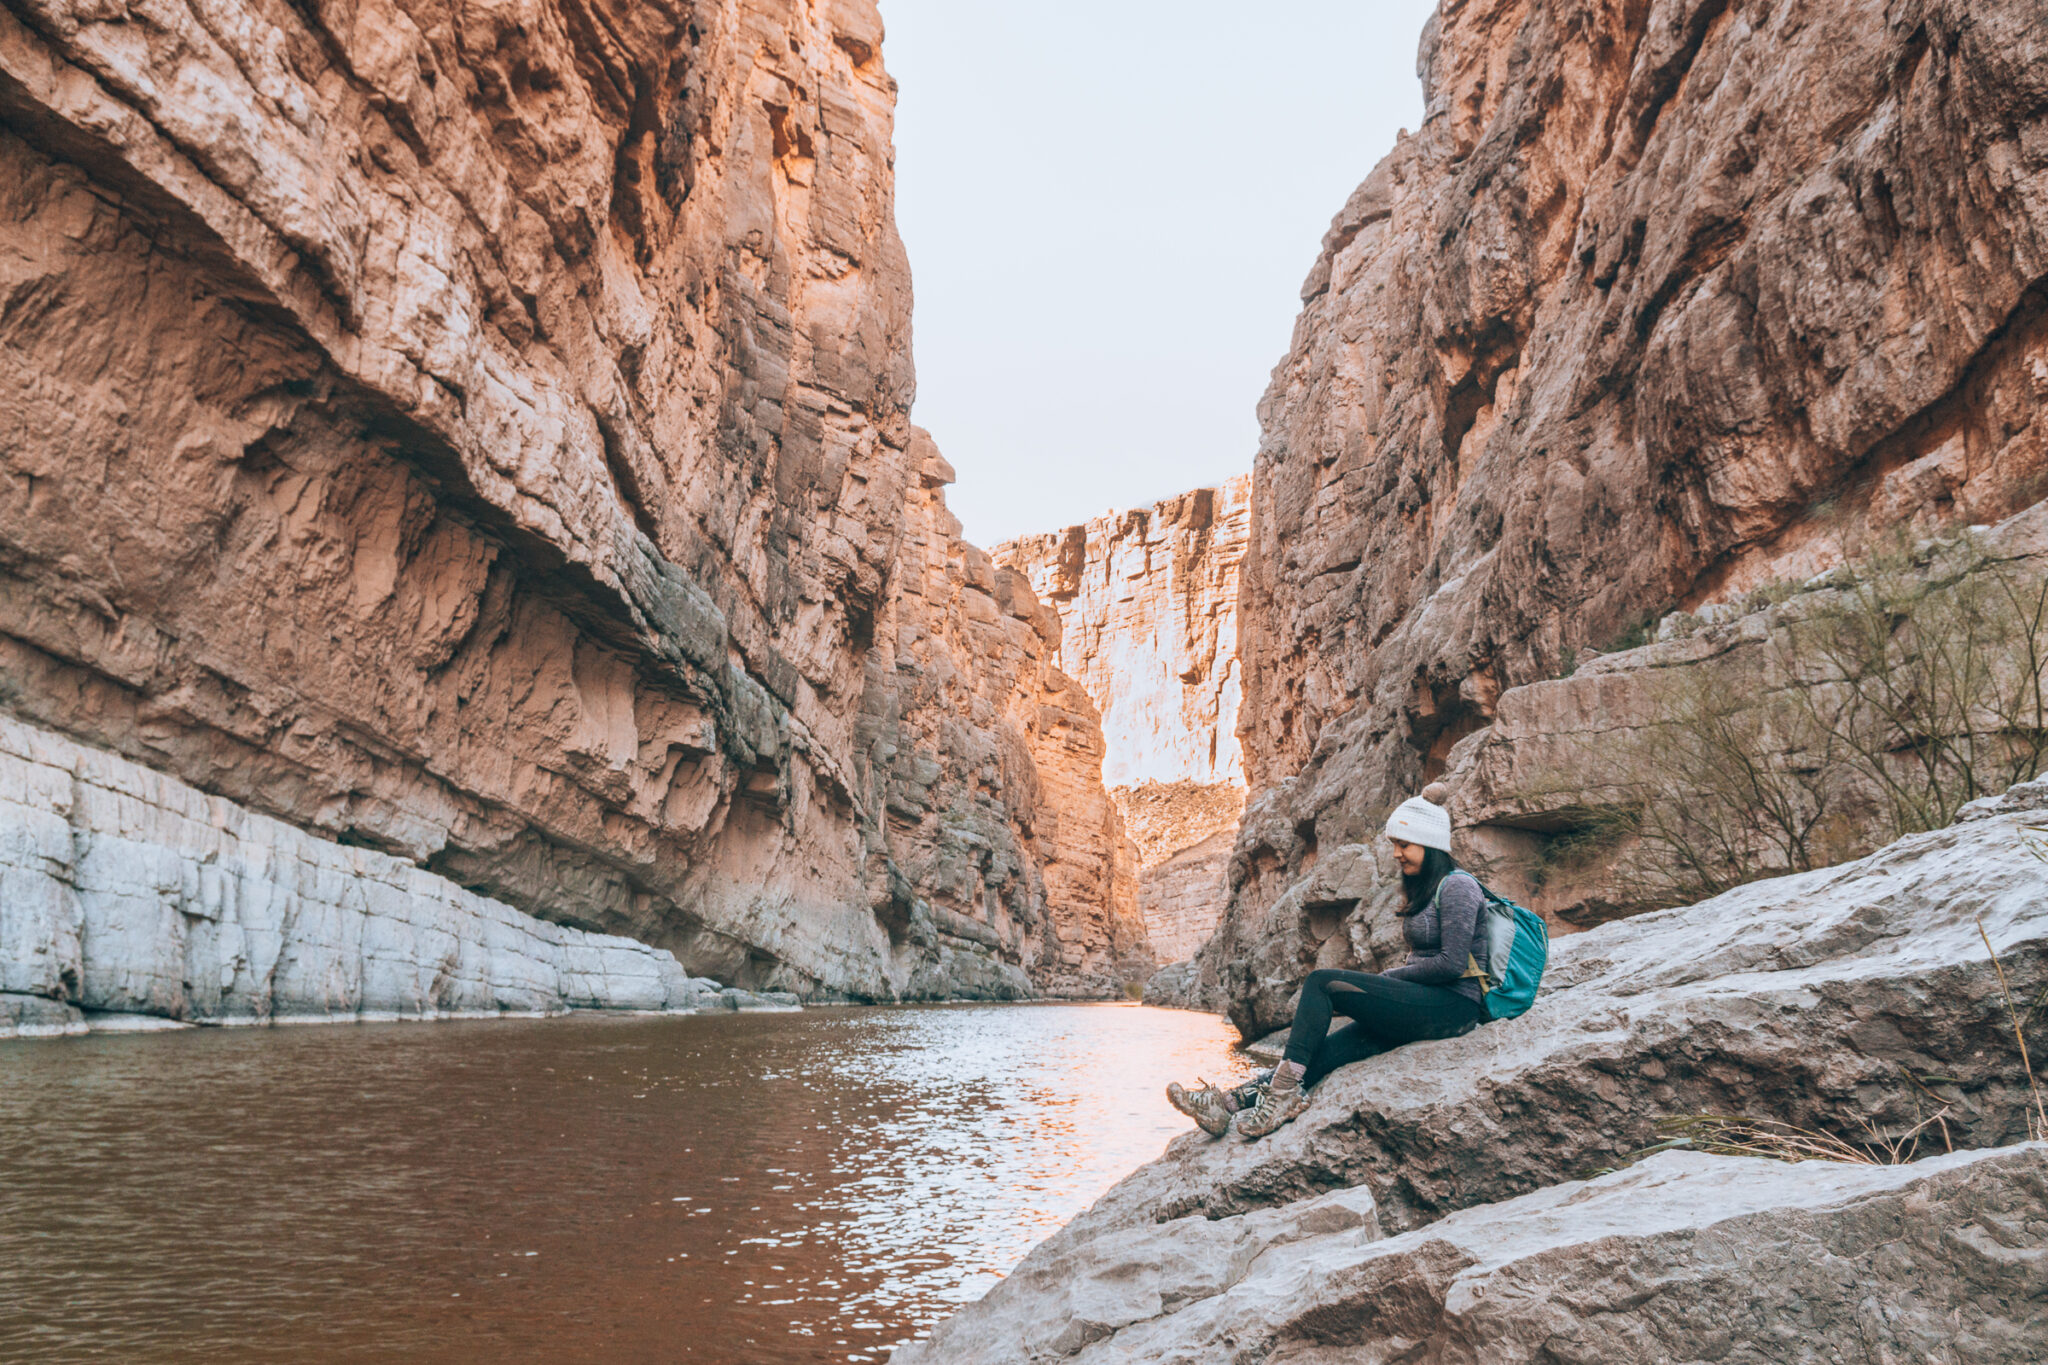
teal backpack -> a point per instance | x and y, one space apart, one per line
1517 947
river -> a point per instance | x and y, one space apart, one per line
802 1187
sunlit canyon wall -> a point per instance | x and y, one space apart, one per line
480 434
1147 601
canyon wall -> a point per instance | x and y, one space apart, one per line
1663 302
480 434
1147 602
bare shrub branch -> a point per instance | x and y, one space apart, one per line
1877 711
1926 674
1719 796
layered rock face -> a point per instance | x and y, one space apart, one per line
1658 302
128 893
1429 1203
1011 848
1532 794
1148 610
480 434
1147 602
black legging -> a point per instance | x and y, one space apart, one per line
1385 1013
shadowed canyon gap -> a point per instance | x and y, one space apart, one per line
480 435
1147 601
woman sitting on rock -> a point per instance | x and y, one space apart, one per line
1435 995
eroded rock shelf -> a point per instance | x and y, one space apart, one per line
132 897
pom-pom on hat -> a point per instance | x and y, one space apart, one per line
1416 821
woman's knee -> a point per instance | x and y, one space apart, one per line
1320 979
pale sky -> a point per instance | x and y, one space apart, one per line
1110 206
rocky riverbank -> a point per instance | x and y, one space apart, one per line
131 900
1683 1257
1431 1200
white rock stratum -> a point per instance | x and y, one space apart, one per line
127 893
1857 994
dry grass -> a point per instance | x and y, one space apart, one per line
1734 1135
2037 1122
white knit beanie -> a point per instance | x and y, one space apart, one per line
1416 821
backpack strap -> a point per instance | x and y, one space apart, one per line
1473 971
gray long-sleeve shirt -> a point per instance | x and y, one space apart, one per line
1442 935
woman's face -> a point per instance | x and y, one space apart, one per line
1410 855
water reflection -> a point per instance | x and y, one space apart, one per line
765 1188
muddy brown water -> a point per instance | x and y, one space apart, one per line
738 1188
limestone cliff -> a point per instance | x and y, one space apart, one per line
1658 300
1147 602
133 899
1148 609
480 433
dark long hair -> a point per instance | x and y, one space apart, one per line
1436 865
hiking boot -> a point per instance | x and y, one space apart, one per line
1205 1106
1284 1098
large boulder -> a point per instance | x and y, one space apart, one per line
1857 1000
1061 1300
1683 1257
